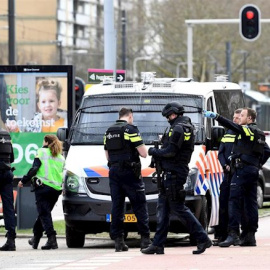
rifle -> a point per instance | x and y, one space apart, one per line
155 163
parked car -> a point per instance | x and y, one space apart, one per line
263 187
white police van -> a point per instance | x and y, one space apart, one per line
87 200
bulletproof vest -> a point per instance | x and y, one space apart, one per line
118 149
186 148
5 146
253 147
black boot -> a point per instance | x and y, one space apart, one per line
201 247
232 239
153 250
120 244
145 241
9 245
248 240
51 243
34 241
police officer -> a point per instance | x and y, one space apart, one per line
250 151
225 151
123 145
6 189
174 156
47 177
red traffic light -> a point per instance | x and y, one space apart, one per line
250 25
250 15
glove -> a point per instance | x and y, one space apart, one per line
151 151
210 114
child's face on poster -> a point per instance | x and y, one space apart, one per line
48 104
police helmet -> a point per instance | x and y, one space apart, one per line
172 107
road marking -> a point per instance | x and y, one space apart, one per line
86 263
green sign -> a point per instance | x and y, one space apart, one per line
25 146
97 75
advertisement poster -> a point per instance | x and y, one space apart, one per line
34 102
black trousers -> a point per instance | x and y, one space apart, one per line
124 183
6 192
46 198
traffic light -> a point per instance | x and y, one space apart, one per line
79 91
250 25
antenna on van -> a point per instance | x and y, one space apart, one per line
147 79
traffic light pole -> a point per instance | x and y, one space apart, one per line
191 23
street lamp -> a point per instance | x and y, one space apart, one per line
60 46
135 64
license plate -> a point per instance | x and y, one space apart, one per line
128 218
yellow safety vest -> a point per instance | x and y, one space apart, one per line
51 169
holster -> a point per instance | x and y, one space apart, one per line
35 183
136 167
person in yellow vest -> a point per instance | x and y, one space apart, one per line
47 177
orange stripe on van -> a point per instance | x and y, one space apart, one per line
102 171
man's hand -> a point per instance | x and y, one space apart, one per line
20 184
151 151
210 114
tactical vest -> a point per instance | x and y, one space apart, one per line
118 148
51 169
5 146
184 153
255 144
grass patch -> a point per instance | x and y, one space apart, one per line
59 226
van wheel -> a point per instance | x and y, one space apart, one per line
259 195
74 238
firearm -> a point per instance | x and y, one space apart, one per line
155 163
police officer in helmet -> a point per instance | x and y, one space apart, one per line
123 147
175 154
6 189
249 153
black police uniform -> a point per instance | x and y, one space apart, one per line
121 141
225 151
175 155
250 151
46 198
6 189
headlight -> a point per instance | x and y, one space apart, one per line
191 180
74 183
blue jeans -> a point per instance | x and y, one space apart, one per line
168 206
124 183
243 199
6 192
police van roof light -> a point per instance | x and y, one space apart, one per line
107 80
148 77
221 78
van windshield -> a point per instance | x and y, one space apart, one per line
98 112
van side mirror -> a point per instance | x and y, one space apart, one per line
216 135
62 134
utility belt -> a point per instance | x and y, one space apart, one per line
240 164
172 192
135 166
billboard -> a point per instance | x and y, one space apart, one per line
35 100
